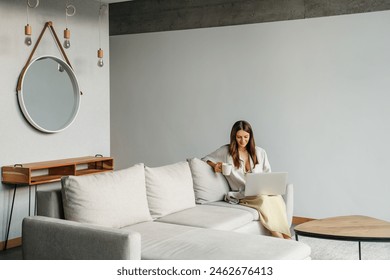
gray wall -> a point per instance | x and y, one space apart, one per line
314 90
90 133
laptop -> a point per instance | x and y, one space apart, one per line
273 183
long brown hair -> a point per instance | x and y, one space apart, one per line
250 147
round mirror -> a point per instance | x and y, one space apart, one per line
49 95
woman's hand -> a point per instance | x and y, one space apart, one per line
217 167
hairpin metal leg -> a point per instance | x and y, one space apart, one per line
360 251
10 218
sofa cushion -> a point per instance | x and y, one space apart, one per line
49 203
208 185
113 199
169 189
163 241
253 211
208 216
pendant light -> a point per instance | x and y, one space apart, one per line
102 8
100 57
27 28
27 32
70 11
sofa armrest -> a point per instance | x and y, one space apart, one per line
289 200
47 238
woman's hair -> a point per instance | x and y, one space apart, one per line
233 146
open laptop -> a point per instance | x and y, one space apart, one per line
273 183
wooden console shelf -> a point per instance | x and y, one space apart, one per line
36 173
51 171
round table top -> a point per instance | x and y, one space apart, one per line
355 227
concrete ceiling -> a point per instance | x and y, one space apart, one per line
113 1
141 16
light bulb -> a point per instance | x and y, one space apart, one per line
100 62
28 41
67 44
27 32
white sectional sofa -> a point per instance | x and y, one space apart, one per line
169 212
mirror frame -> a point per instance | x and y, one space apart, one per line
76 92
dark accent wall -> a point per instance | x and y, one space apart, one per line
140 16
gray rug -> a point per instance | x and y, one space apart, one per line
322 249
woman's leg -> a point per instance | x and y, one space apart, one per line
285 236
280 235
276 234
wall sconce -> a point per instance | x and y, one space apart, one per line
27 28
70 11
102 9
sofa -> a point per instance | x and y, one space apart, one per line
176 211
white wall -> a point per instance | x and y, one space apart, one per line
316 92
90 133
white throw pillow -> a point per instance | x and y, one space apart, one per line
169 189
114 199
208 185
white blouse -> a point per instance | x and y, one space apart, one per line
237 178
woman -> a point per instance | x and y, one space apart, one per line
245 157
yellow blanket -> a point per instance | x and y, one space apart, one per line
272 211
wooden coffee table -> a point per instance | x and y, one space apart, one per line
347 228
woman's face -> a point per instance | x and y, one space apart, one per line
242 138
